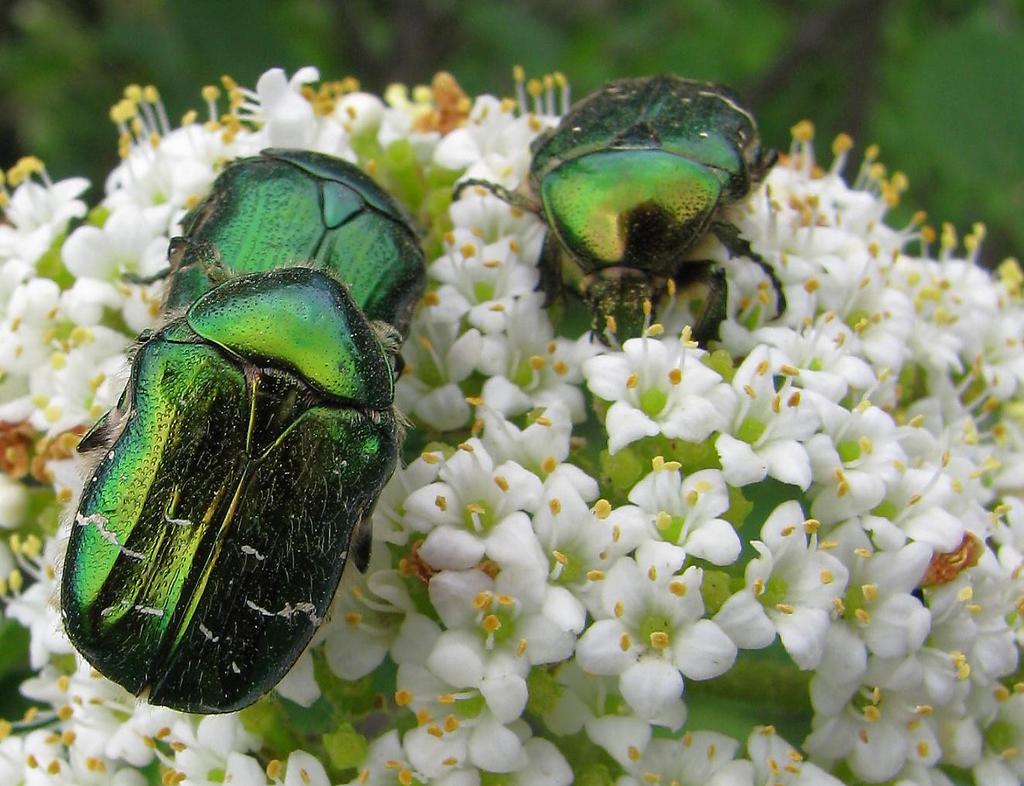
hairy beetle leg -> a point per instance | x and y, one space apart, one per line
513 198
729 236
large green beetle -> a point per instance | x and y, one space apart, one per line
630 180
257 429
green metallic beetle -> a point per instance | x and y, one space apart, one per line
629 182
257 429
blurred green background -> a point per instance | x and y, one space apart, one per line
939 84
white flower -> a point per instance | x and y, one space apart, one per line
651 631
215 750
37 212
476 508
767 428
658 387
701 758
437 358
528 366
779 763
685 512
853 459
481 281
791 589
1003 761
494 145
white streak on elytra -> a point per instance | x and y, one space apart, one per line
246 549
208 633
234 668
179 522
152 612
100 522
288 611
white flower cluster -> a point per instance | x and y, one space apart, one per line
816 517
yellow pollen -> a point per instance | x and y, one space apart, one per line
602 508
632 381
803 131
501 482
659 640
619 609
441 502
491 623
625 642
677 588
595 575
555 506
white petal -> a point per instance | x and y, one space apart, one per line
626 424
243 769
650 685
803 634
787 461
702 650
456 659
716 541
450 548
547 766
495 748
740 464
742 617
599 650
617 734
303 770
299 684
505 696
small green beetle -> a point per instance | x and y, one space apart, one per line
243 462
629 182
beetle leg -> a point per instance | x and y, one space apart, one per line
513 198
712 277
359 546
135 278
729 236
550 267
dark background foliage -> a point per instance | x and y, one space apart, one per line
939 84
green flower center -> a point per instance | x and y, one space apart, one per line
523 374
567 567
750 430
428 372
653 401
849 450
1001 736
775 592
483 291
887 509
469 707
671 528
655 631
477 517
